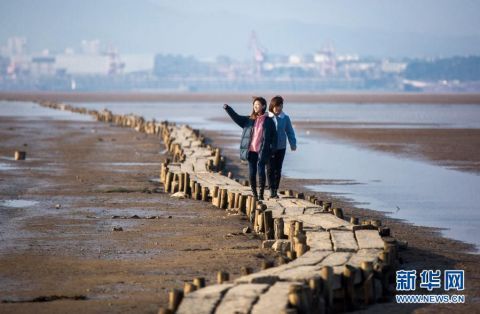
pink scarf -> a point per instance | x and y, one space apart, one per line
257 136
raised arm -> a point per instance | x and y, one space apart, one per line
290 134
238 119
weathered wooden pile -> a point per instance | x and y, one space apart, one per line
328 263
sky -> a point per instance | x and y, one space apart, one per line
208 28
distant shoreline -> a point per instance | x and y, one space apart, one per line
358 98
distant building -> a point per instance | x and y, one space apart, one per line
15 46
42 66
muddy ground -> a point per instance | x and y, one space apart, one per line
58 210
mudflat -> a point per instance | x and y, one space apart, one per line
83 228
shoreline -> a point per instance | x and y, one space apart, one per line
340 97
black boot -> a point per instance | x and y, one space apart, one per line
262 189
274 193
253 186
254 191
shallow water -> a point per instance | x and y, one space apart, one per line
30 110
18 203
6 167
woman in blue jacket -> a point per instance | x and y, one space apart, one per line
258 141
284 131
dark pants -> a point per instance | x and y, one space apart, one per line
253 165
274 169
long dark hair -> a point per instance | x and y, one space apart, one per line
275 102
262 101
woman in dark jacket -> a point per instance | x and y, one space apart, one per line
258 142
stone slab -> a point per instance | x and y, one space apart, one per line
274 300
240 298
203 301
343 241
319 240
369 239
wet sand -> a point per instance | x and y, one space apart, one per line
427 248
82 179
453 148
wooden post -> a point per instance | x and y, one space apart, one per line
181 181
257 225
204 193
19 155
338 212
174 298
215 191
294 297
278 228
268 224
327 206
384 231
291 255
300 249
315 285
222 277
199 282
326 273
291 234
168 182
354 220
289 193
368 282
298 298
163 169
223 198
198 191
216 160
236 201
300 195
242 203
266 264
176 180
188 288
231 199
349 289
192 188
298 226
186 185
215 196
244 270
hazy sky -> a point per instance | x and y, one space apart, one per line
209 28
